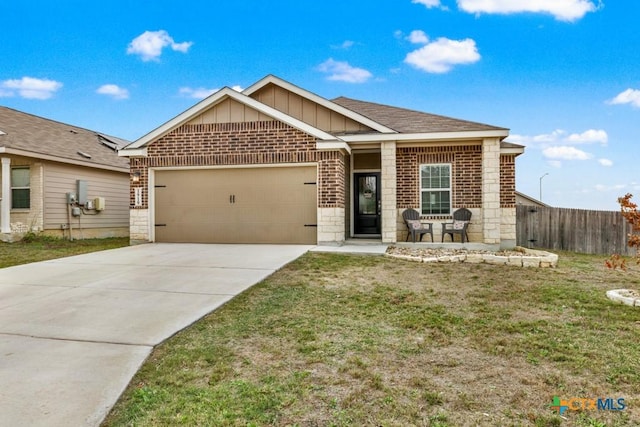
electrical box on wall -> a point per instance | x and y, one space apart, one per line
71 198
99 203
89 204
75 211
82 191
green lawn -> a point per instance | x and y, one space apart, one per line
44 248
352 340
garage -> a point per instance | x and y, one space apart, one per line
236 205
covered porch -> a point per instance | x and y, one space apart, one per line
384 180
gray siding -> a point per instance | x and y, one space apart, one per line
60 179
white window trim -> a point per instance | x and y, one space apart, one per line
20 188
421 190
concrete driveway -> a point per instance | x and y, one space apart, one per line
73 331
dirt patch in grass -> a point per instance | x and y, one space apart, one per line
352 340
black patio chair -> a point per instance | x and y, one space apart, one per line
414 226
460 224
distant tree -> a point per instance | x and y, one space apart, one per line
630 212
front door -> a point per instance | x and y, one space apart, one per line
367 203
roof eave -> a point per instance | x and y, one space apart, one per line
31 154
133 152
514 151
511 148
335 145
425 137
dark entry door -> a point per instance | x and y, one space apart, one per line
366 203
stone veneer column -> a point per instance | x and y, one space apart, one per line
36 222
389 186
491 223
5 204
508 228
331 198
331 226
139 226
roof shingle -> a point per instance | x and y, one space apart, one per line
403 120
44 137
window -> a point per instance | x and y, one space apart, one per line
435 189
20 191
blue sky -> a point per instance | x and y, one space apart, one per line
563 75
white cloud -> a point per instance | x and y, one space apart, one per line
590 136
562 10
443 54
197 93
30 88
342 71
428 3
115 91
201 92
347 44
418 37
629 96
554 136
605 162
565 153
149 45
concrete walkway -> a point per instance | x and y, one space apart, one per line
74 331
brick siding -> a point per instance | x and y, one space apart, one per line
332 180
466 167
251 143
466 163
507 181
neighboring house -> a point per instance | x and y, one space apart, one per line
279 164
523 199
42 160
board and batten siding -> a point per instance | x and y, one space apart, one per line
60 179
307 111
229 111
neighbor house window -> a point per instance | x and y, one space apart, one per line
435 189
20 191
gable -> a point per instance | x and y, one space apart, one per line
229 111
308 111
233 105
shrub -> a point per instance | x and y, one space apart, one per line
630 212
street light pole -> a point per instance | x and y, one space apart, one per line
541 184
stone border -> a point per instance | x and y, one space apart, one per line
625 296
529 258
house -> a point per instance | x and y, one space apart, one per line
276 163
52 175
523 199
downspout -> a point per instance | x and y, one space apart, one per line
69 221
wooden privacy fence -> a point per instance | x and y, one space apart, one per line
576 230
